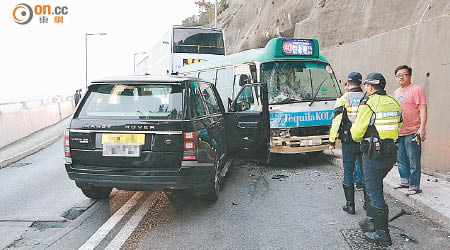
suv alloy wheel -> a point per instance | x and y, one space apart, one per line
213 186
96 192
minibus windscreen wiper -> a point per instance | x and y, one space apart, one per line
317 92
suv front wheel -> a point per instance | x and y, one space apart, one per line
96 192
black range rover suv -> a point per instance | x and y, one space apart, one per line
147 133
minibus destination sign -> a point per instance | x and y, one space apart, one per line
297 47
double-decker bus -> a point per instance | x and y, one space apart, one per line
289 81
182 46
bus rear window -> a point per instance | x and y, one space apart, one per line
133 101
198 42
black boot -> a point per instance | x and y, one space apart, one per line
367 225
366 197
349 192
381 235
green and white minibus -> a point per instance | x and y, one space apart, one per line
298 94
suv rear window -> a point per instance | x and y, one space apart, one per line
134 101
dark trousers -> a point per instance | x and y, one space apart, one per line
350 155
374 172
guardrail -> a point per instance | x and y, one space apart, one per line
20 119
8 107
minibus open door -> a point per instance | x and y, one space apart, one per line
248 123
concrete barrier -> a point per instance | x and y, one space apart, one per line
17 125
425 47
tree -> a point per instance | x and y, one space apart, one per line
205 13
191 21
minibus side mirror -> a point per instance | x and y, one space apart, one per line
229 104
243 80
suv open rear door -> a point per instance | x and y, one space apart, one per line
248 122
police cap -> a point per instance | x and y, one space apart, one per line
375 79
355 78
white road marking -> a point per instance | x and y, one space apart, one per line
132 223
104 230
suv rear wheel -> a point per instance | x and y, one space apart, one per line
96 192
213 187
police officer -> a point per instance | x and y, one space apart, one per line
344 115
377 124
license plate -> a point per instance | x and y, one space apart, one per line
121 149
138 139
127 145
313 142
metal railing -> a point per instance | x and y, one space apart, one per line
10 107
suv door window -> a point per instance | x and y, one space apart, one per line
239 81
196 101
210 98
248 99
224 84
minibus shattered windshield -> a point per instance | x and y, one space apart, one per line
289 82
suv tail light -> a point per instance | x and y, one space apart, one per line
189 146
68 157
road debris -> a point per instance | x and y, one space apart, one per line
407 237
402 212
279 177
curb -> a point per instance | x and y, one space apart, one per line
20 156
92 207
416 202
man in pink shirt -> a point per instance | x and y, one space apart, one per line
414 113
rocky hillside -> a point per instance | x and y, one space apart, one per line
363 36
251 23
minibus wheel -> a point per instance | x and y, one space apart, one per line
314 153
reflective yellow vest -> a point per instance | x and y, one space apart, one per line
386 112
350 102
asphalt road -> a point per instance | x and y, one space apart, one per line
294 203
38 200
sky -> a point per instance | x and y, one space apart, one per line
43 60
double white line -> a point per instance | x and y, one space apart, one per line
127 229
